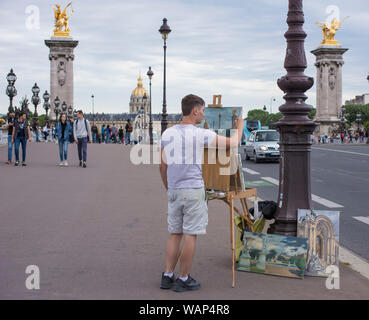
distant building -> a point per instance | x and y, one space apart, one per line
139 113
359 100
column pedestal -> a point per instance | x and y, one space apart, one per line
61 70
329 62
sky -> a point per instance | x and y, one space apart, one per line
235 48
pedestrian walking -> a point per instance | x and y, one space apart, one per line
107 133
9 125
103 133
114 133
82 134
129 130
94 133
45 132
120 134
63 131
182 178
21 133
36 128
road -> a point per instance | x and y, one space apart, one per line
339 181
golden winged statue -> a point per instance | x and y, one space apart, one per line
329 31
62 21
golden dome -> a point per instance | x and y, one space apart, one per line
140 90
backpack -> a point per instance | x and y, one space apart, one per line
268 209
88 137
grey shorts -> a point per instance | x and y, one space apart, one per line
187 211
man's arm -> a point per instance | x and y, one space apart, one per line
163 168
234 141
13 134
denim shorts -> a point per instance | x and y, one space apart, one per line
187 211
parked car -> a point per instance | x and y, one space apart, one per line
262 145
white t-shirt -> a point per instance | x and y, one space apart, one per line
184 146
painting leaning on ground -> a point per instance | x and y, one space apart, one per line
273 254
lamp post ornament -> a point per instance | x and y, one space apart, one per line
164 31
11 91
295 128
150 73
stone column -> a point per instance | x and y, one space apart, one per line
61 70
329 64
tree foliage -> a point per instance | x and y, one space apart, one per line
352 110
266 118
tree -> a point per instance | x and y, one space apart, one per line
260 115
352 110
312 114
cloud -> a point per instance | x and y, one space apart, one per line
234 48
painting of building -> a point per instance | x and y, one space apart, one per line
221 118
273 254
322 229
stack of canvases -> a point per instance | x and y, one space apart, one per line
315 248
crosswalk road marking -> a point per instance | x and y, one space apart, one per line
249 171
315 198
362 219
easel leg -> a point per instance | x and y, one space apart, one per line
232 239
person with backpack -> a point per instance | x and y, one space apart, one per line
129 130
82 136
21 133
63 131
9 126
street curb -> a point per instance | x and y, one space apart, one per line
355 262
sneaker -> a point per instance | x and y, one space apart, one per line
65 163
84 165
61 164
24 164
80 163
189 285
16 163
8 162
166 282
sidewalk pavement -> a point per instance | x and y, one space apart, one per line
100 233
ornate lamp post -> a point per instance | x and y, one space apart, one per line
35 101
70 111
10 89
144 102
358 120
46 106
164 31
93 112
150 74
271 103
56 108
295 128
64 107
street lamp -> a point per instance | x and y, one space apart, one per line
70 111
271 102
35 101
93 112
64 107
295 128
164 31
46 97
11 92
144 102
150 74
56 108
358 120
265 108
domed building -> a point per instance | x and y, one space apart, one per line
136 101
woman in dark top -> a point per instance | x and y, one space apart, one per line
21 133
63 131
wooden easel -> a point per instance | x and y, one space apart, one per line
231 193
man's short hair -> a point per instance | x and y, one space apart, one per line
80 111
190 102
21 113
